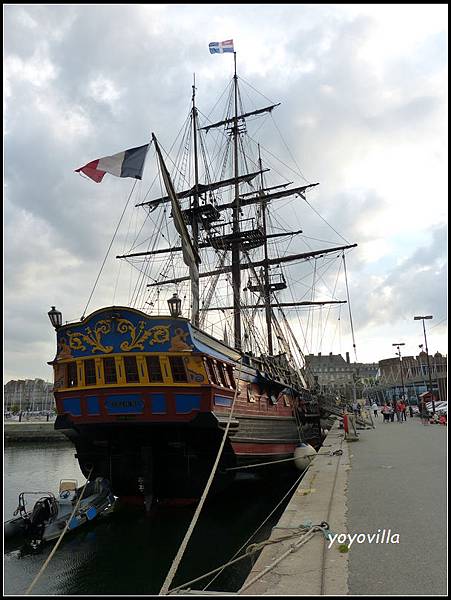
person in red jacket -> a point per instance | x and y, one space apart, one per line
402 407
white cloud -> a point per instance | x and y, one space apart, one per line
104 90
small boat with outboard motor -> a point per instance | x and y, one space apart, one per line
74 507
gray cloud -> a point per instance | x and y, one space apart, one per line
79 88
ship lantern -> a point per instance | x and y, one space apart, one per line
175 306
56 317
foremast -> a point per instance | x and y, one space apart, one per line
195 208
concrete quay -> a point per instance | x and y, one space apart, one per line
32 431
394 479
311 570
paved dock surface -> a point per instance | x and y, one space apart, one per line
398 481
312 569
394 478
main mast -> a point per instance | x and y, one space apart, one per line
235 238
236 271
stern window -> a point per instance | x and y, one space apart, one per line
222 374
231 377
90 372
72 380
154 369
131 369
178 369
213 371
109 368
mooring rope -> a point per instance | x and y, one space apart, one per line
251 549
304 539
271 462
175 564
50 556
295 484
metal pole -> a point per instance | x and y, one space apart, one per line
429 370
398 344
402 377
427 358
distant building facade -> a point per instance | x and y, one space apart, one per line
335 374
28 395
415 375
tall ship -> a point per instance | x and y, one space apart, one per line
206 347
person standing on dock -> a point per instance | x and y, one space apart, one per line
392 407
375 408
403 411
424 413
398 409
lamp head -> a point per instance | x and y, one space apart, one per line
56 318
175 306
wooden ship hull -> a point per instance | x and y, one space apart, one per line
145 400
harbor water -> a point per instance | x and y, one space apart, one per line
130 552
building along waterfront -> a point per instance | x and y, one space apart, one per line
415 375
31 395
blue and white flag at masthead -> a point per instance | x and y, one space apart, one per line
220 47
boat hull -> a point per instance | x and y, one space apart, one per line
39 526
146 400
174 460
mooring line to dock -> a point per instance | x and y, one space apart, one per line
251 549
293 548
295 484
172 571
50 556
271 462
324 527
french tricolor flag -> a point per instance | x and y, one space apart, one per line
129 163
220 47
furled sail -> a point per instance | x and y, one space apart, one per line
190 255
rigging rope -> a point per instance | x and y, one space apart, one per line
349 306
221 568
108 251
170 576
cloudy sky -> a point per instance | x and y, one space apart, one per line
364 111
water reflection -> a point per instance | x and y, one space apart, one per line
131 552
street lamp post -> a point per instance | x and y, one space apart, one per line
427 358
398 344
